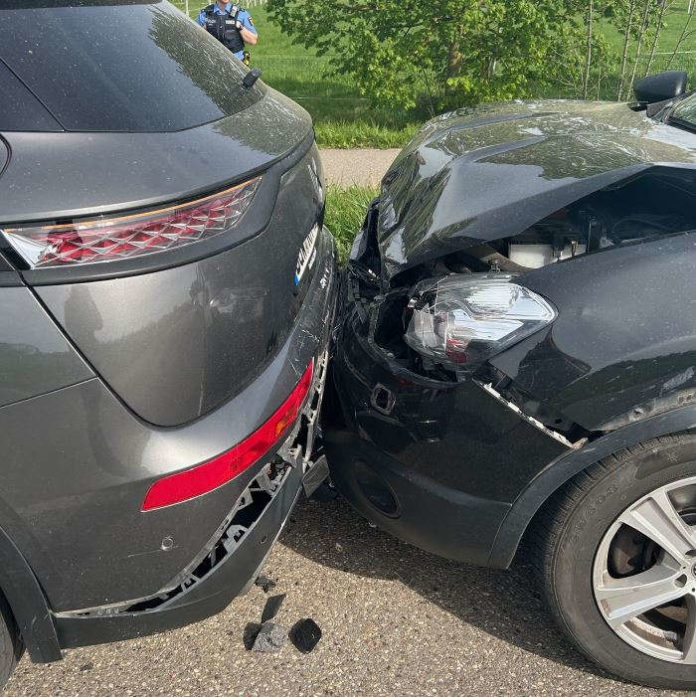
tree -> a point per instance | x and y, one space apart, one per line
628 30
445 53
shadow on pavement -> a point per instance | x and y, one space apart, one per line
505 604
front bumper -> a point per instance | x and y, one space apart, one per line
437 464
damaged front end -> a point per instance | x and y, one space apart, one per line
519 290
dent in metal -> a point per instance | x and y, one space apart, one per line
474 176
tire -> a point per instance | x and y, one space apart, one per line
11 644
590 544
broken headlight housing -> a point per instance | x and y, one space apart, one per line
458 320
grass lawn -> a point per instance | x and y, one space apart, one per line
345 212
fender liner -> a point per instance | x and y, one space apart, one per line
28 603
565 467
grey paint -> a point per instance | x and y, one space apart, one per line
144 67
140 169
490 173
215 337
176 343
77 465
34 356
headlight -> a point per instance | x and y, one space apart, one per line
466 319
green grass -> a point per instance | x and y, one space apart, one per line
675 19
345 212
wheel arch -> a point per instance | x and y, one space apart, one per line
565 467
28 603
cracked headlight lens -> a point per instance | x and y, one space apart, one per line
467 319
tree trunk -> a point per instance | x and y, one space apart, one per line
624 54
454 61
658 29
588 56
643 27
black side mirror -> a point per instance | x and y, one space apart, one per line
660 87
251 77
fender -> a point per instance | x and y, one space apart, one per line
28 603
565 467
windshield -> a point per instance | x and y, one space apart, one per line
685 111
102 66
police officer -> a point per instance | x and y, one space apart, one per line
231 25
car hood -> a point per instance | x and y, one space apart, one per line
479 175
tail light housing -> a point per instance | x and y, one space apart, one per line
125 237
212 474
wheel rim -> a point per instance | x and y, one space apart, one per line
644 573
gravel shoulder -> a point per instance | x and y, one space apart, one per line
359 166
395 621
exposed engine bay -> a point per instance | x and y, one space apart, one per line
443 319
657 203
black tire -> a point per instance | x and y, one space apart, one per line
567 533
11 644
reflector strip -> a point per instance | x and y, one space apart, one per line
212 474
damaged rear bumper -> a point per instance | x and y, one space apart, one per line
229 562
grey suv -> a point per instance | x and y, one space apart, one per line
166 294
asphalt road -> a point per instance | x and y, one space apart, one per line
395 621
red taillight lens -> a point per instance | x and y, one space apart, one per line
115 239
218 471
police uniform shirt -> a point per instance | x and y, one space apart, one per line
244 17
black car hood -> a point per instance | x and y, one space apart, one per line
480 175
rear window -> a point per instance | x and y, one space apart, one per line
102 66
20 110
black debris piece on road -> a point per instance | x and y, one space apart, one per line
270 638
272 606
266 583
305 635
251 631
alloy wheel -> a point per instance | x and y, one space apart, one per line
644 573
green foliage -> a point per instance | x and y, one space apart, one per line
421 57
442 54
343 118
345 211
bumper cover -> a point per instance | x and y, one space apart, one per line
436 464
229 562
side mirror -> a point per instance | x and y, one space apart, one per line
660 87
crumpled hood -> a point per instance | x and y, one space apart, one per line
479 175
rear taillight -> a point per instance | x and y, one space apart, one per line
209 475
125 237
